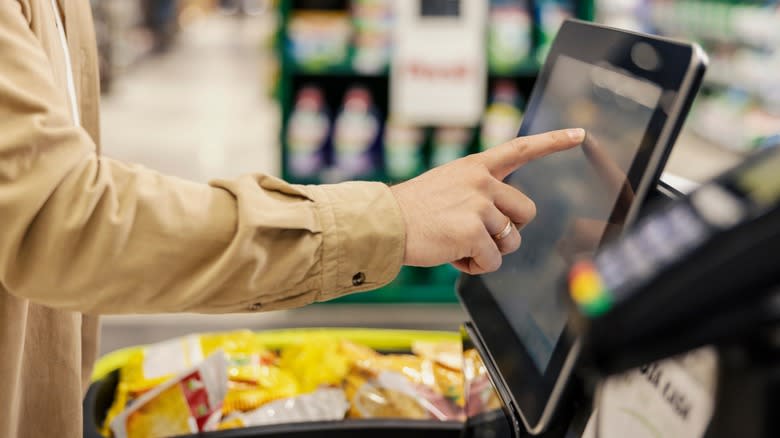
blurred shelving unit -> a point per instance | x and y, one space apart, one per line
739 107
326 48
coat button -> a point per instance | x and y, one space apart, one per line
255 307
358 279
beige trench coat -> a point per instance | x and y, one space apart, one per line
83 235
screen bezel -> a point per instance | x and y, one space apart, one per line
534 395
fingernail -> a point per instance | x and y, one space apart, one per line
577 134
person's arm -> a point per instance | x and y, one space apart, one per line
87 233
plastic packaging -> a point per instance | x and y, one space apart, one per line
307 133
509 35
450 143
319 39
318 361
356 134
254 377
268 383
403 386
503 116
373 39
189 403
326 404
168 388
403 150
552 13
479 393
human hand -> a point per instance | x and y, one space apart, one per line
463 213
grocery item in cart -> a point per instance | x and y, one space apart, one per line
188 403
325 404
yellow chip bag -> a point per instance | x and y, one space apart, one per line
316 362
404 385
248 361
267 383
188 403
157 363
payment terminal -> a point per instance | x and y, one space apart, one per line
652 293
704 270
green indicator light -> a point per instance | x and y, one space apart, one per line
598 306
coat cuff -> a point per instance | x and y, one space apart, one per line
364 236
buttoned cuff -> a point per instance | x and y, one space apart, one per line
364 236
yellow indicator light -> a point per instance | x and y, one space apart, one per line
588 291
586 287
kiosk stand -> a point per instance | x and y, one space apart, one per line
491 415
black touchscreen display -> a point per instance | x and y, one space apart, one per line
578 193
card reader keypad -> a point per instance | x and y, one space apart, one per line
658 241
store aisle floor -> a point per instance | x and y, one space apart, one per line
198 111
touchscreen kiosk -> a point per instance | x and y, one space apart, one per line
631 93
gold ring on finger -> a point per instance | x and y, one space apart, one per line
505 232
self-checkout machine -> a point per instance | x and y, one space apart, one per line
522 353
672 397
438 77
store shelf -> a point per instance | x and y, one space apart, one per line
719 22
739 105
529 68
699 160
344 68
755 75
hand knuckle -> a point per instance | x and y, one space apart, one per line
559 138
484 207
520 145
482 177
473 161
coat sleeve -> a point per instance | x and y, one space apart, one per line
90 234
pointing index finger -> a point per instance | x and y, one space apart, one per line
505 158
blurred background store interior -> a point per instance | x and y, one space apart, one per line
205 89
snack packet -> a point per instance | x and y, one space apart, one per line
254 376
393 395
479 392
264 384
157 363
403 385
441 379
325 404
446 354
318 361
188 403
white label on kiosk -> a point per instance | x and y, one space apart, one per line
672 398
438 72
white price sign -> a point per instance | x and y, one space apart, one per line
673 398
438 74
